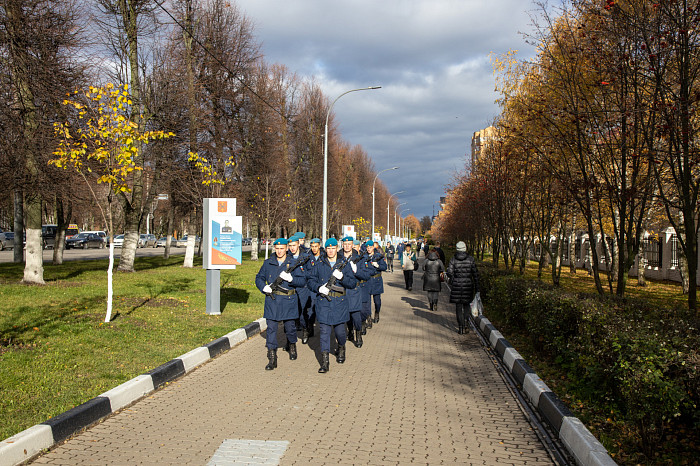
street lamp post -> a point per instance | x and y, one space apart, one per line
388 203
325 160
395 215
373 182
404 224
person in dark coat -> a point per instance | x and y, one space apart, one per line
390 251
375 257
433 267
332 309
464 280
281 303
439 251
362 273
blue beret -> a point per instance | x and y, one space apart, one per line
356 242
370 243
331 242
280 241
348 238
293 239
315 240
300 234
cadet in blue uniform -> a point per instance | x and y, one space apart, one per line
332 303
284 306
302 238
355 295
376 283
303 294
316 254
366 313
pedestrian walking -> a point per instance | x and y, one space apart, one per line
308 317
303 294
330 278
362 274
440 252
433 269
278 279
376 283
464 281
390 250
407 259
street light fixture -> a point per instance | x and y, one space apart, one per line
373 182
397 208
387 213
325 159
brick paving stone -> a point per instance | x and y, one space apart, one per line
415 393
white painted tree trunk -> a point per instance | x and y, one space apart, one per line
189 252
34 260
108 316
131 242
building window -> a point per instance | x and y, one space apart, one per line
565 250
652 252
674 251
577 250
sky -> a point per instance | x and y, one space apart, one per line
431 58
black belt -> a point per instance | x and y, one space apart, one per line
336 294
284 292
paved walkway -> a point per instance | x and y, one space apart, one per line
416 392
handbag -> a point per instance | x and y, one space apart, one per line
415 264
442 276
477 307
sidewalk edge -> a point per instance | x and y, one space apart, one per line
30 442
578 440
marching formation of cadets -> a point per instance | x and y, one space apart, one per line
334 286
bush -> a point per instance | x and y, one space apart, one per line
623 355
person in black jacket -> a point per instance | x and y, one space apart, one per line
433 267
464 280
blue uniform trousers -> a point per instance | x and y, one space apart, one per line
356 318
290 329
377 302
341 336
366 302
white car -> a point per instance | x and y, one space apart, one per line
118 241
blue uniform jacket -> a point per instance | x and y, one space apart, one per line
303 294
376 283
336 311
363 274
282 307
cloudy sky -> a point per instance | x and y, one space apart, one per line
431 58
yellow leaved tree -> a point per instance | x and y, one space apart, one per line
103 145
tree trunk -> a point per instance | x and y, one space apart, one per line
18 250
641 269
189 251
34 262
169 235
254 242
62 221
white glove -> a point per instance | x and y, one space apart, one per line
375 264
267 289
286 276
323 290
353 266
338 274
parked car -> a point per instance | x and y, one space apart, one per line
7 240
85 241
161 242
48 234
182 242
118 241
102 234
247 241
147 241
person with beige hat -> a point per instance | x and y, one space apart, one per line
463 278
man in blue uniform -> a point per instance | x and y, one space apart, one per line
366 313
355 295
302 238
303 294
331 277
376 283
281 302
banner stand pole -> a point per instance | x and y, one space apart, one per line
213 292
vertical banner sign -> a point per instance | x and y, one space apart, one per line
223 234
349 230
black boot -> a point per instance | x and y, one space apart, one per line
369 322
358 340
364 328
376 316
311 330
292 351
272 358
351 334
325 363
340 358
304 336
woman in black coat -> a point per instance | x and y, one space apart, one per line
433 267
464 280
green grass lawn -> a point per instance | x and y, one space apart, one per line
56 352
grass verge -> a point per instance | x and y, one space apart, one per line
56 352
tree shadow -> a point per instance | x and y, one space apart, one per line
155 292
232 295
